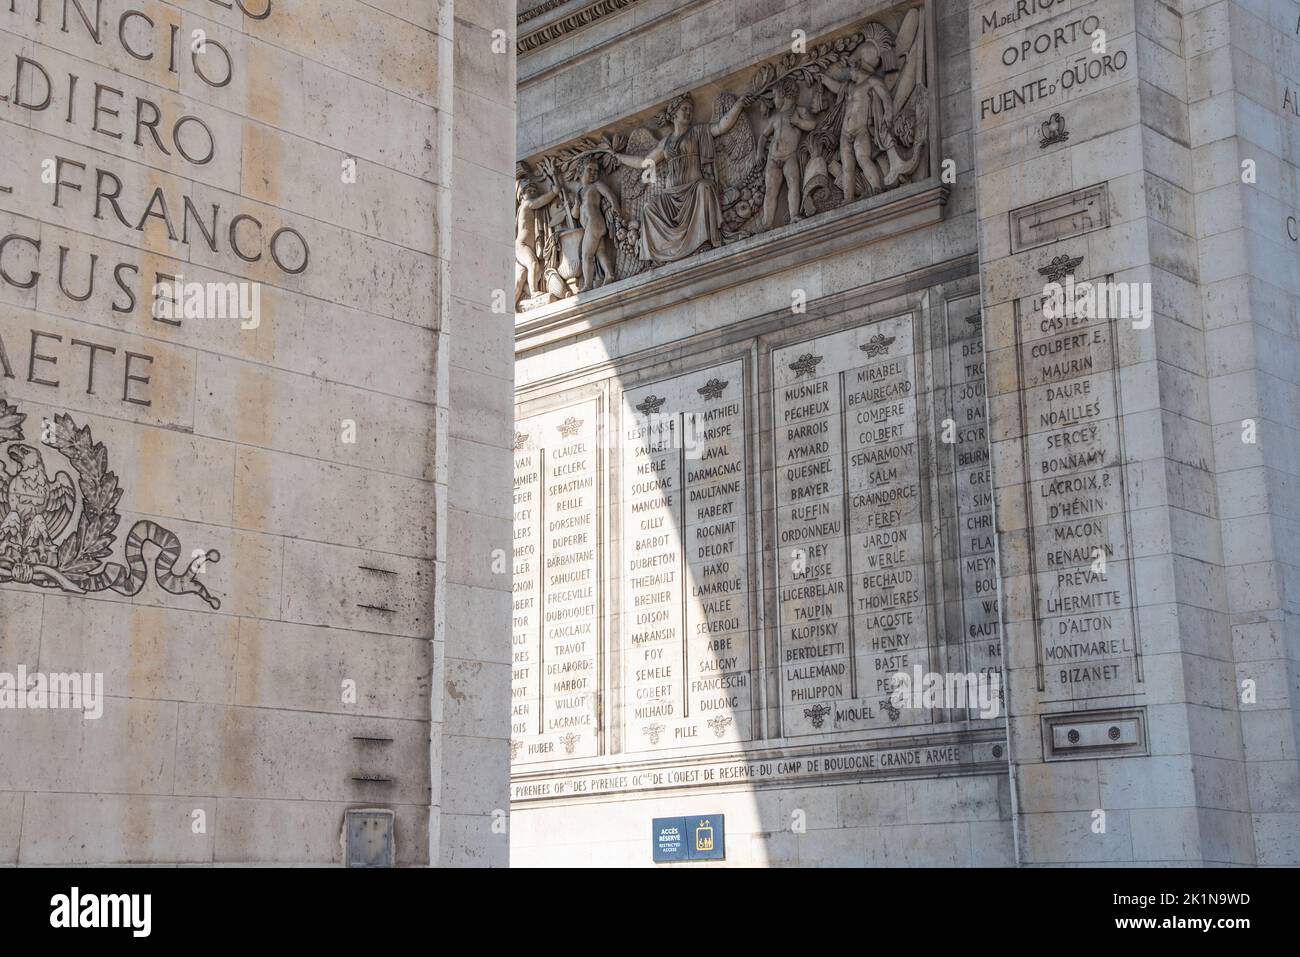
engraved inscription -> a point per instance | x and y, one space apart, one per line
686 636
556 616
1079 556
972 512
852 588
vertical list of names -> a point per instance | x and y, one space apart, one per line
975 550
1073 455
686 635
852 589
556 622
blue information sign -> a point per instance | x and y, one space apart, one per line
699 838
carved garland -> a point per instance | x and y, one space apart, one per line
847 119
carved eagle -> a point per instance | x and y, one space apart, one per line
28 491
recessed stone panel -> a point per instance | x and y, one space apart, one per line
853 595
688 667
557 611
1062 217
787 536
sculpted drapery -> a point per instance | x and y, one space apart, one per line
683 212
846 120
682 209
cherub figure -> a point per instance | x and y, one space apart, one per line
597 246
869 114
785 127
528 199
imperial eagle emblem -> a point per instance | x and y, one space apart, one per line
651 405
877 345
36 508
713 389
1060 267
57 533
806 364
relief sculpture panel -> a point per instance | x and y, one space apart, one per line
825 126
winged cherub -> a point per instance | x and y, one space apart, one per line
36 509
784 127
528 200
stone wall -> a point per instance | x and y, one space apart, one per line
1119 695
1242 104
310 152
900 265
480 371
1174 174
1141 457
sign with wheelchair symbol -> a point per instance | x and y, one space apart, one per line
702 838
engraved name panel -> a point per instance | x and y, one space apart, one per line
1079 547
687 656
557 612
851 573
971 508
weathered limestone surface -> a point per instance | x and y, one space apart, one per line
720 679
344 450
475 359
1189 658
1117 506
1243 61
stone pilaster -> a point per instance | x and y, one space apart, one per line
1124 728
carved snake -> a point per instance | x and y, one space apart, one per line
117 578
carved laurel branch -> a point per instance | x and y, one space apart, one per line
81 553
11 422
591 149
807 68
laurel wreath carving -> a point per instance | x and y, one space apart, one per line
11 423
83 551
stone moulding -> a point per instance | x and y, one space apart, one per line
584 15
845 121
889 215
545 7
980 751
1087 735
